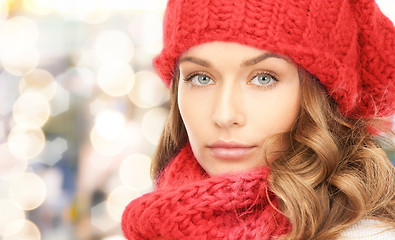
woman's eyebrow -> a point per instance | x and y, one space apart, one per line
261 58
195 60
246 63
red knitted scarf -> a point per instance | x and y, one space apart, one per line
188 204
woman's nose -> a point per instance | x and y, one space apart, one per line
228 107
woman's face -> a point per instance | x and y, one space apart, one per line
232 97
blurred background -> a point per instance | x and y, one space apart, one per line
81 111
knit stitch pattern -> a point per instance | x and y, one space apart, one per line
349 45
188 204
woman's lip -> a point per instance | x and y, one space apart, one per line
228 144
229 150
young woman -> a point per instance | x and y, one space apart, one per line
272 133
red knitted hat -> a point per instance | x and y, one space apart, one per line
349 45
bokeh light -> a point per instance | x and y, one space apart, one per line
89 11
153 122
118 199
118 237
9 85
22 229
78 80
10 211
10 166
99 104
39 6
53 151
28 191
30 29
3 10
2 130
31 110
112 46
108 136
87 58
11 34
96 15
146 31
135 135
16 32
148 90
135 172
53 180
107 146
20 59
18 37
100 218
26 143
116 79
110 124
136 5
39 81
61 101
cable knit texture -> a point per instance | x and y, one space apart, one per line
188 204
349 45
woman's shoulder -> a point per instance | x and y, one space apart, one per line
368 229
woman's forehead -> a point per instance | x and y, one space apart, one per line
243 55
213 47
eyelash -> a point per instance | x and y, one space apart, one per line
194 74
269 73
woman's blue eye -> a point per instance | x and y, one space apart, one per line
201 79
264 79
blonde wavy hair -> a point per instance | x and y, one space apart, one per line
333 173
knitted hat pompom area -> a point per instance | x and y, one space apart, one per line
349 45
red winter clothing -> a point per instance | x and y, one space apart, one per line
188 204
349 45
